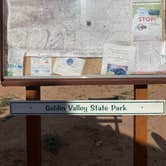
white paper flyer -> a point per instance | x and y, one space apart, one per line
68 66
163 53
41 66
118 59
15 62
147 21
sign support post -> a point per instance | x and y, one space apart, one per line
140 129
35 108
33 124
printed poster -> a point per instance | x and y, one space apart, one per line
68 66
15 62
118 59
147 21
41 66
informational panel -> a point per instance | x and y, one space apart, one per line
50 38
147 21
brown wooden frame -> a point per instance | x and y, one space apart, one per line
25 81
82 81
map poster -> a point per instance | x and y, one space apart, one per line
147 21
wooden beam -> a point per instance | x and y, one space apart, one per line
140 129
33 131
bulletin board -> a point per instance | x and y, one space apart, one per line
82 42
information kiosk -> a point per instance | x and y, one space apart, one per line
82 42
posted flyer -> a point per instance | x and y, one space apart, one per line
147 21
40 66
118 59
68 66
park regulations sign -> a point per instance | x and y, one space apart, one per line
89 107
147 21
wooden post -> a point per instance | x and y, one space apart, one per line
33 131
140 129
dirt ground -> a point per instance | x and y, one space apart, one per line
84 141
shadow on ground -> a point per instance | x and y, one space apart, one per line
84 143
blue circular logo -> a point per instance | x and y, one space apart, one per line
69 61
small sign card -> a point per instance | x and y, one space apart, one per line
89 107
